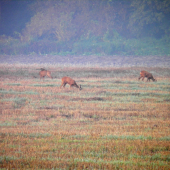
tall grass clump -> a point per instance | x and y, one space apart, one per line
17 102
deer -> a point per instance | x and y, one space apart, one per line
70 81
44 73
146 74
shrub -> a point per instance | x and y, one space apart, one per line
111 43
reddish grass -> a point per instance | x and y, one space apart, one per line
114 122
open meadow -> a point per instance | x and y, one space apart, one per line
114 122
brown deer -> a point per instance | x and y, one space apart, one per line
146 74
70 81
44 73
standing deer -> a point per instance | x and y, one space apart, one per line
146 74
44 73
70 81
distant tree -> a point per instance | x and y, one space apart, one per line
66 20
49 19
150 18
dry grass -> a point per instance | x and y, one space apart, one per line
115 122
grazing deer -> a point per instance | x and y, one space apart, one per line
70 81
44 73
146 74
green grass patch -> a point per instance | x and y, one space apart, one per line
13 84
17 102
3 91
44 85
31 135
7 123
115 137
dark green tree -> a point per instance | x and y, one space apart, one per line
150 18
66 20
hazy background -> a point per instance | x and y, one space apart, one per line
85 27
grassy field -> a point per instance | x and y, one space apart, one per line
114 122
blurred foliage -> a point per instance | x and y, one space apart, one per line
134 27
69 20
105 45
150 18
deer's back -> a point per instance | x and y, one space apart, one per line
43 73
145 74
68 80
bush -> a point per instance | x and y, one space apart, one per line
43 46
110 44
147 46
88 46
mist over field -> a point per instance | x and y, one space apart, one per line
89 61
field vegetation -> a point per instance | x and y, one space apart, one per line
114 122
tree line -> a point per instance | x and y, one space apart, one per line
133 27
